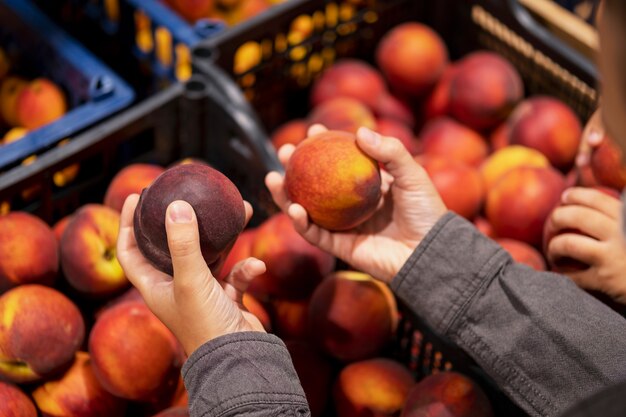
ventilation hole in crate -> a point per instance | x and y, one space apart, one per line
447 366
438 359
203 52
247 57
195 85
101 87
426 359
112 9
143 33
183 62
302 26
5 208
332 15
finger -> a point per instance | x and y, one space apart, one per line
585 279
575 246
315 235
126 238
316 129
285 152
394 156
242 274
184 243
589 221
249 211
595 199
275 183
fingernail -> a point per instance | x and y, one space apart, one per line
369 136
595 137
582 160
180 212
565 195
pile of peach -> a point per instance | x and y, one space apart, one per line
26 104
230 11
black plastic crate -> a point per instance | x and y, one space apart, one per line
274 67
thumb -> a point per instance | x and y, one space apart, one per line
183 240
393 154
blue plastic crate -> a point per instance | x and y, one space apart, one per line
39 49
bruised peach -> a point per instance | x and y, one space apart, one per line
290 318
130 180
550 126
315 373
256 308
336 182
484 90
607 166
14 403
29 252
77 393
88 251
375 387
519 204
292 132
447 394
216 201
460 186
241 250
294 267
507 159
352 316
10 89
134 356
40 331
447 138
523 253
342 113
39 103
349 78
412 57
395 129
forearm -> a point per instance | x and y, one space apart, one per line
544 341
243 374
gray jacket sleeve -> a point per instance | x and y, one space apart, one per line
244 374
545 342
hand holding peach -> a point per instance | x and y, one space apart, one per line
408 209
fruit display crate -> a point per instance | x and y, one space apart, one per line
273 64
37 48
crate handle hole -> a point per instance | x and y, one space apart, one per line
208 27
202 52
196 86
101 87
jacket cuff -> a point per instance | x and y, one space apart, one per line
446 271
239 370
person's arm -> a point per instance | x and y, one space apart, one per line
545 342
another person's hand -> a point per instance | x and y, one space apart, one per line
409 208
192 304
601 246
592 137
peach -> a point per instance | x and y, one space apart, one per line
412 57
240 251
10 89
500 137
130 180
181 396
40 331
29 252
484 90
447 394
77 393
174 412
352 316
88 252
342 113
375 387
134 356
290 318
484 227
14 403
13 135
193 10
294 266
438 102
255 307
447 138
507 159
60 226
39 103
349 78
459 185
395 129
292 132
519 204
550 126
216 201
336 182
523 253
131 295
607 165
315 373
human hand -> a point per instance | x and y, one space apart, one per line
592 137
601 246
409 208
192 304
